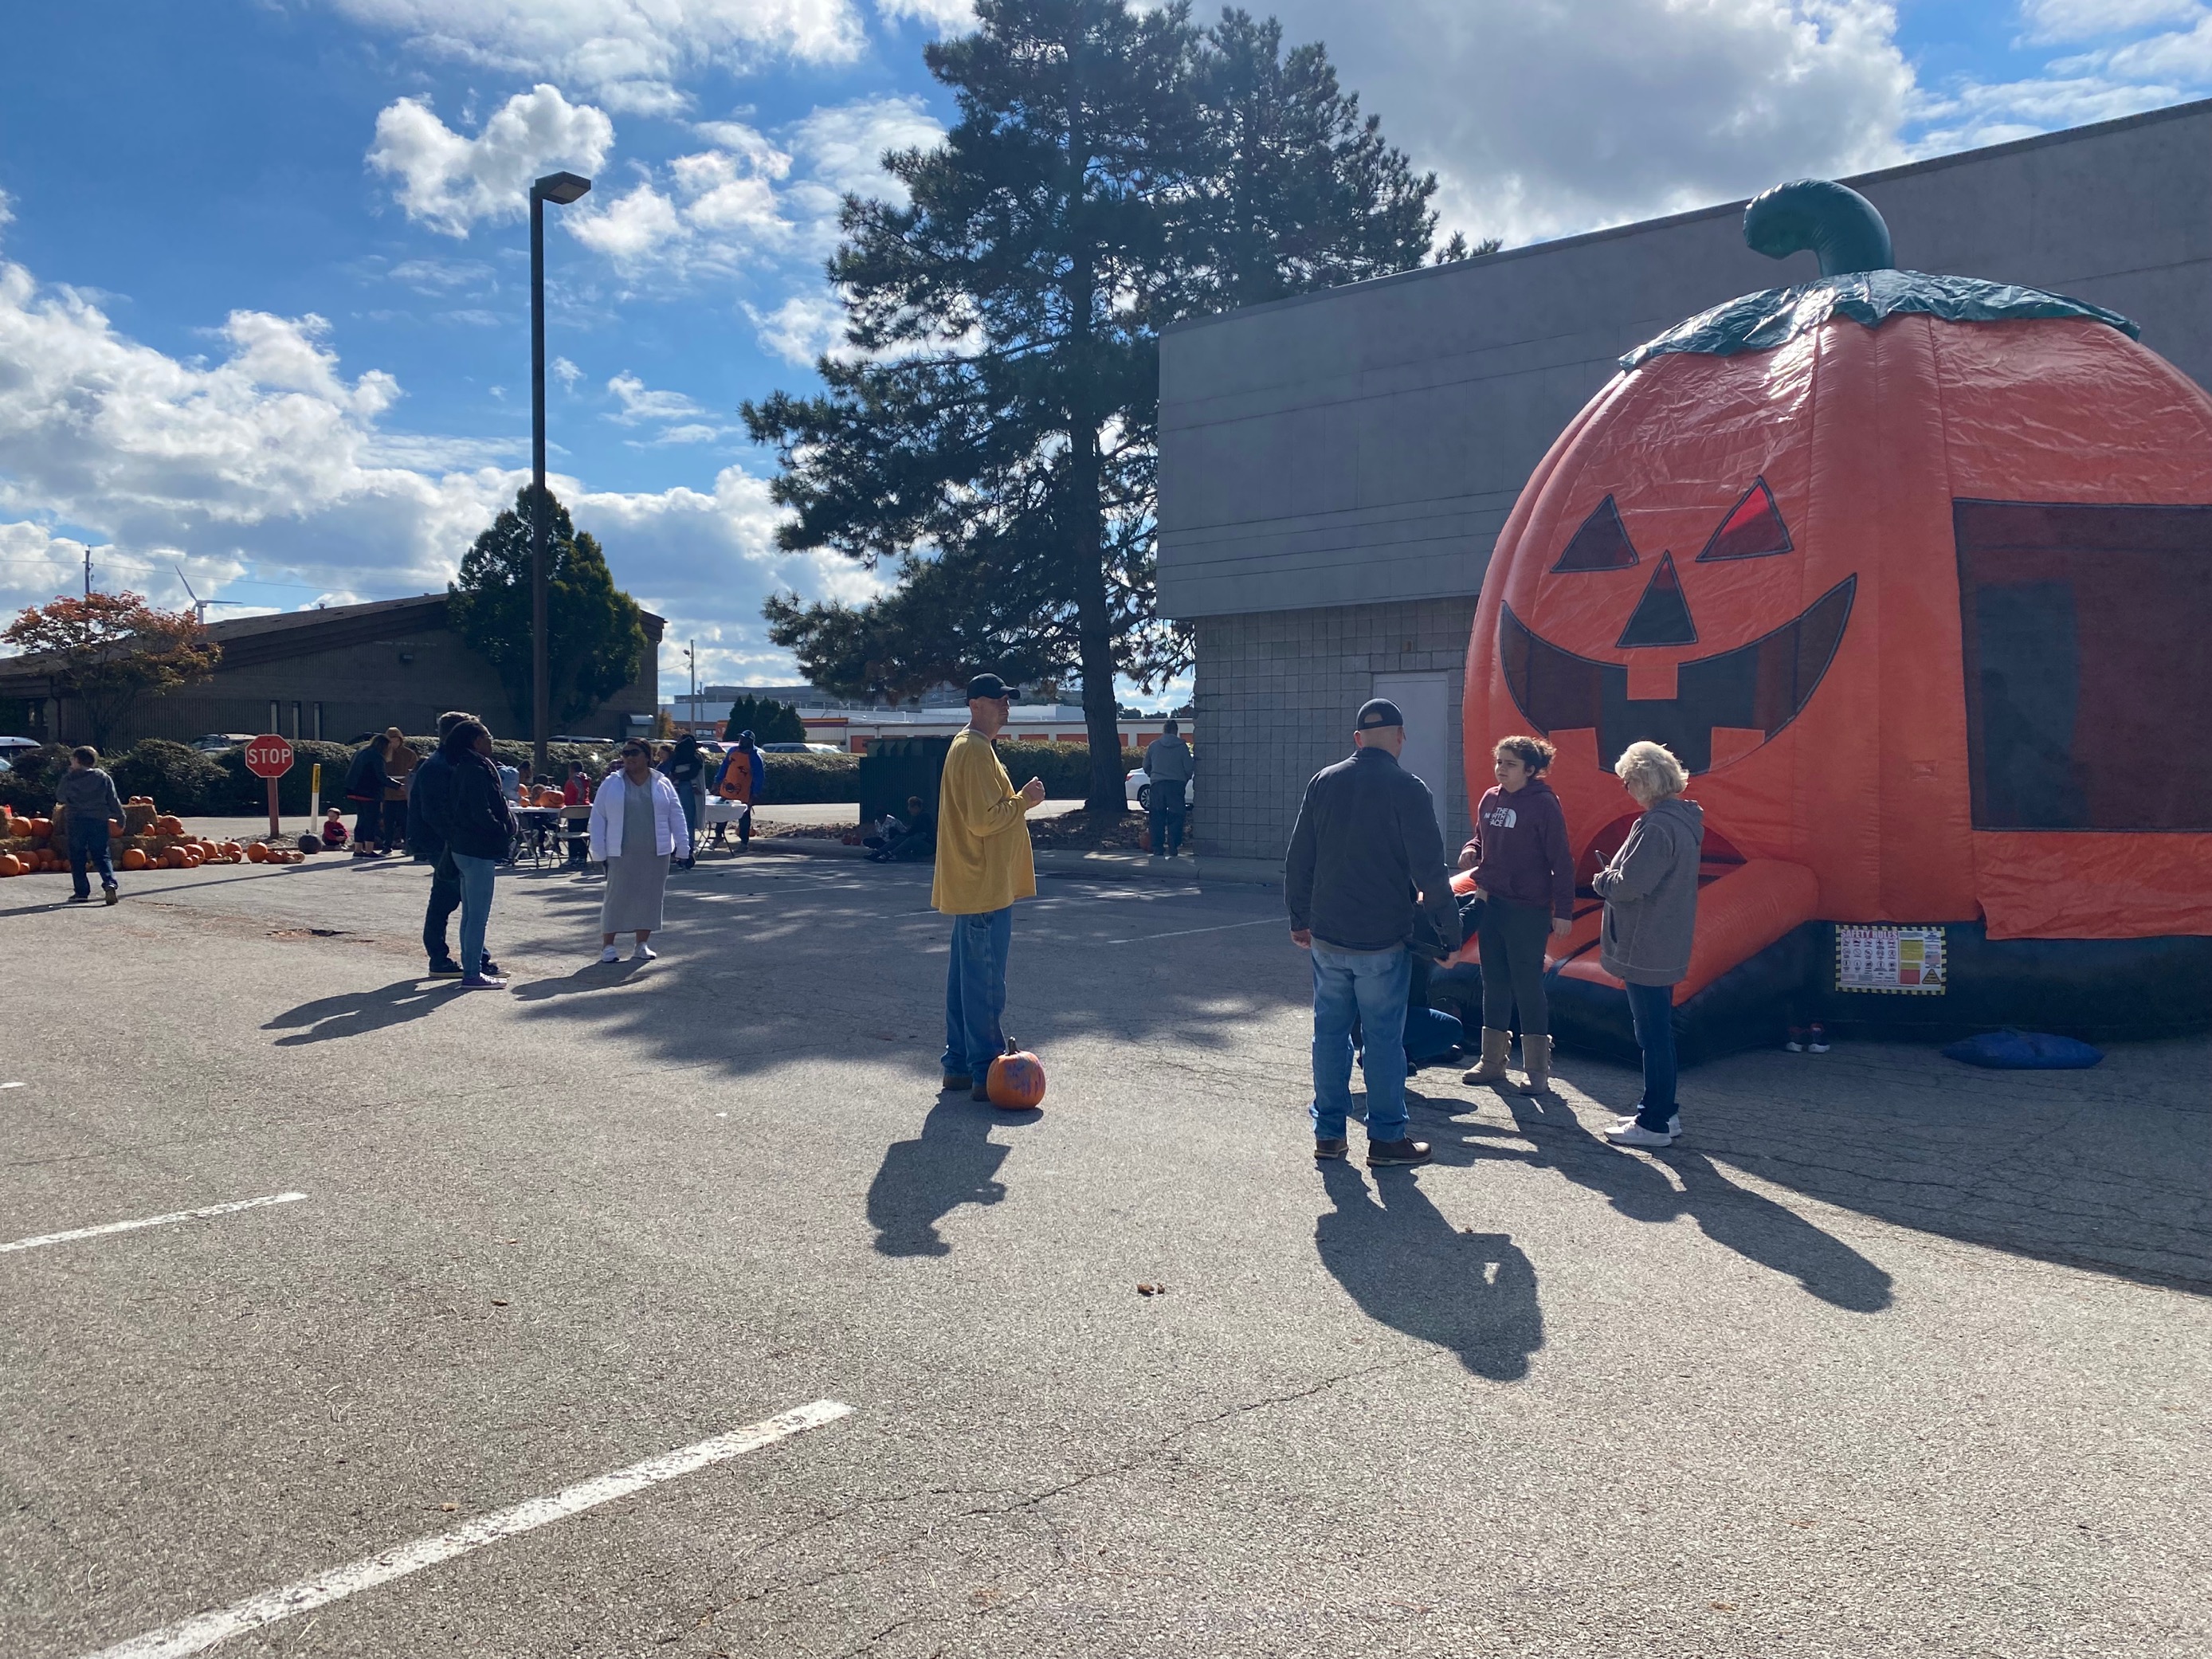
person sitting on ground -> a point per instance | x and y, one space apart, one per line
913 837
86 798
333 831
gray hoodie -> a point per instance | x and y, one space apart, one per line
1650 894
87 794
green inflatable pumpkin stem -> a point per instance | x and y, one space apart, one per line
1834 221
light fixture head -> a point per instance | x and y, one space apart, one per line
561 187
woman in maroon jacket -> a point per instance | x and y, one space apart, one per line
1525 875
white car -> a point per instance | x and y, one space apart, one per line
1139 788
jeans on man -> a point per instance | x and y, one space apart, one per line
975 990
88 845
475 877
1371 986
445 899
1652 1008
1167 817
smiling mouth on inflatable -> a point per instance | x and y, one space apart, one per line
1759 687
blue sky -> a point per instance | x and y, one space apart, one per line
264 274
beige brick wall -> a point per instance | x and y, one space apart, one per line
1277 692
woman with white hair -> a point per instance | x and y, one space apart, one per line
1650 894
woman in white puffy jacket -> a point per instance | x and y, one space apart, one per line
637 827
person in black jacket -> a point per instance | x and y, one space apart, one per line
426 801
686 768
476 823
1364 871
367 778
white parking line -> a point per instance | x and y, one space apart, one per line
203 1630
1185 933
151 1221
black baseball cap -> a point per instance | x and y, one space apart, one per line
1378 712
986 685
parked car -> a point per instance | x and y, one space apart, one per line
16 745
1139 787
215 742
799 749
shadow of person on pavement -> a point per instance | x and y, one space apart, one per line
356 1013
1754 1227
952 1162
594 975
1406 1266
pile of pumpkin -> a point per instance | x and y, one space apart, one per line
546 798
146 838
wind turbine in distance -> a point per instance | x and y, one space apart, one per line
200 605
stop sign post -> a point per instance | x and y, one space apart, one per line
269 756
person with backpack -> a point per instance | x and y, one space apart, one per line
742 776
1524 873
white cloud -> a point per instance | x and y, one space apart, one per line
269 466
2050 20
631 228
1542 120
566 372
843 144
638 402
945 16
450 182
630 53
802 328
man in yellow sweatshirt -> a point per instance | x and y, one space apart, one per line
983 865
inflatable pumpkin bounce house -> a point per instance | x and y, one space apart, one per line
1914 575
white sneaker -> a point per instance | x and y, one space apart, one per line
610 955
644 953
1632 1134
1674 1123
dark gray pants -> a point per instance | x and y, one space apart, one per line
1512 945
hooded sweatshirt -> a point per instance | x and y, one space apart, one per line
1650 894
1521 849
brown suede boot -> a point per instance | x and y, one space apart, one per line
1492 1068
1536 1062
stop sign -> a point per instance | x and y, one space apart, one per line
269 756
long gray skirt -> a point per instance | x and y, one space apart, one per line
636 882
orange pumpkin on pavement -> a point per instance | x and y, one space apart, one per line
134 858
1016 1080
1911 572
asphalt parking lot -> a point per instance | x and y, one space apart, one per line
1886 1356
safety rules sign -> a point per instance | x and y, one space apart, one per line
1883 958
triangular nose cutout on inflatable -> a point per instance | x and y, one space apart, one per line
1663 614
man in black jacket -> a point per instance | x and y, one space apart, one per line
426 803
1365 870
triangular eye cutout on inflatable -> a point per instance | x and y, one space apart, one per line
1602 543
1752 530
1662 617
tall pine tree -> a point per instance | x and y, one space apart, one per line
993 434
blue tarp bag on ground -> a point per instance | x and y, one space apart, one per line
2024 1051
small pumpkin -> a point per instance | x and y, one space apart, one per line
134 858
255 852
10 865
1016 1080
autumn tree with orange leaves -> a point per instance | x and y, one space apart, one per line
107 650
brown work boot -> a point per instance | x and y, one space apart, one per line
1491 1068
1536 1062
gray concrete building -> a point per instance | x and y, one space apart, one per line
1335 468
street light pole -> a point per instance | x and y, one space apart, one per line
560 188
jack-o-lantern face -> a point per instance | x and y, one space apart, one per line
1760 685
1911 572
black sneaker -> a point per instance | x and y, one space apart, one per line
78 898
490 967
955 1081
444 968
1380 1154
1325 1149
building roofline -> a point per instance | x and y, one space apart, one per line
1584 238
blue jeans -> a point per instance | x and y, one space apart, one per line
476 907
1652 1008
1372 985
87 846
1167 817
976 992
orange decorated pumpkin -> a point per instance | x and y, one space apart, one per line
1016 1080
1913 574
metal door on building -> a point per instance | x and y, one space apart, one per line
1425 701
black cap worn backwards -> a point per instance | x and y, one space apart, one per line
986 685
1377 712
